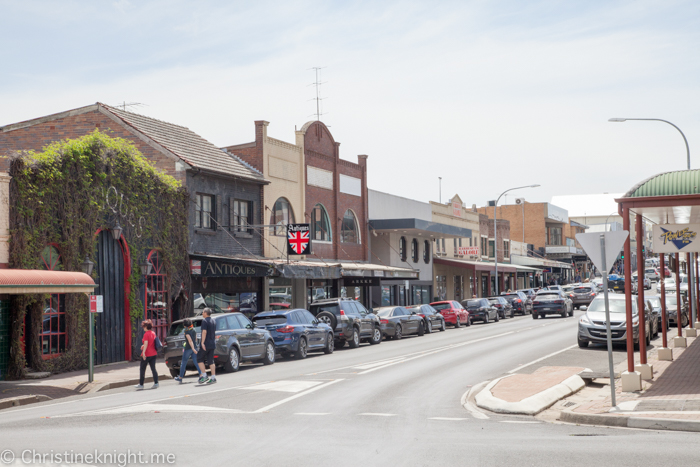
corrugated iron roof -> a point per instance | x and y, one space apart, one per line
680 182
35 278
187 145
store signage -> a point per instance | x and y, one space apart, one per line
222 268
96 303
298 239
556 213
676 238
456 209
360 281
468 250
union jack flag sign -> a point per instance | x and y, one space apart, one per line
298 239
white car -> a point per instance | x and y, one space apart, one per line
652 274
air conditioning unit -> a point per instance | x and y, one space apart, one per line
519 200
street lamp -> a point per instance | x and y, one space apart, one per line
146 267
495 230
117 232
606 219
687 148
87 266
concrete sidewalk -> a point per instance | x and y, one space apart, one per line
70 384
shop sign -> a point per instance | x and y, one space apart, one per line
298 239
676 238
360 281
215 268
456 209
96 303
468 250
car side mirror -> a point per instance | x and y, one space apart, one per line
413 312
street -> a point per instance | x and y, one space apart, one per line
399 402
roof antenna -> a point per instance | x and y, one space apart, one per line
317 84
125 104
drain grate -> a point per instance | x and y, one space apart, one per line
569 404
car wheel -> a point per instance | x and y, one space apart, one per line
636 346
498 318
328 318
429 330
443 328
174 372
269 354
486 318
458 323
534 316
355 342
564 313
330 345
421 329
340 344
469 321
376 336
302 351
582 343
648 340
397 332
234 360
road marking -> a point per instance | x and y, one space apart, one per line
313 414
469 405
517 421
379 414
267 408
447 418
542 358
284 386
145 408
62 403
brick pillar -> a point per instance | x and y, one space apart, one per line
4 220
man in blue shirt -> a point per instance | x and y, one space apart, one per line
206 350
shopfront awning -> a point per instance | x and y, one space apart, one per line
337 270
377 270
28 281
476 265
537 262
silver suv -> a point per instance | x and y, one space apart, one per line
591 326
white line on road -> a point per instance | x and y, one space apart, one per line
379 414
542 358
310 413
447 418
267 408
517 421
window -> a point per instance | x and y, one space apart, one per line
443 247
53 330
157 295
204 213
441 283
426 252
491 252
282 215
555 235
414 250
348 230
484 246
454 247
320 225
241 215
506 249
402 248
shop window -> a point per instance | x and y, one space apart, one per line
157 295
280 296
421 294
320 225
241 215
319 290
426 251
441 284
402 295
386 295
414 250
459 286
349 232
53 329
402 248
246 302
282 215
204 211
555 236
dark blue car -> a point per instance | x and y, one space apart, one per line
296 332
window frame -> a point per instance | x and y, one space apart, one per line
57 304
314 222
356 227
199 220
402 248
426 251
414 250
235 224
280 227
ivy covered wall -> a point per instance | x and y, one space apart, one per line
63 196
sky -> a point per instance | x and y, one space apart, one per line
488 95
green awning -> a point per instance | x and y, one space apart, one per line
681 182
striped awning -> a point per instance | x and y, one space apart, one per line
24 281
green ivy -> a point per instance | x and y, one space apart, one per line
62 195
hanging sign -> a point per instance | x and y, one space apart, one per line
676 238
96 303
298 239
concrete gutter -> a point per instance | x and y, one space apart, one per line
22 400
530 405
125 382
629 422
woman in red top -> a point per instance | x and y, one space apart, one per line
148 354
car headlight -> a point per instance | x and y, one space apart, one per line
584 320
635 321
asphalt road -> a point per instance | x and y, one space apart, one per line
398 403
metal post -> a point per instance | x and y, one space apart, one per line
697 288
678 295
91 347
641 309
691 290
664 339
628 290
607 321
495 243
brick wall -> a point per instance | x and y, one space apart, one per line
535 232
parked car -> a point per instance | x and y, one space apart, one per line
655 302
592 328
431 318
237 340
647 283
616 283
652 274
551 302
520 302
672 310
598 282
505 309
481 309
583 295
453 312
397 321
349 320
296 332
554 287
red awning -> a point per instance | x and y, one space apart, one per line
21 281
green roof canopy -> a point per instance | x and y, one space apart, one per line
681 182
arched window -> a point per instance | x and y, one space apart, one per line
414 250
426 251
282 215
157 295
402 248
53 330
320 225
349 233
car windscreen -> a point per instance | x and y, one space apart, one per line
671 300
582 290
495 301
547 296
384 312
473 303
650 271
441 306
177 329
270 320
655 302
331 307
616 306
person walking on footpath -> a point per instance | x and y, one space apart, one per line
148 354
206 349
190 349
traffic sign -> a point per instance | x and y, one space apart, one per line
96 303
614 240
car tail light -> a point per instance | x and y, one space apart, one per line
558 301
343 316
286 329
384 321
518 301
592 294
421 315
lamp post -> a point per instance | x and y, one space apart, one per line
87 267
495 230
687 148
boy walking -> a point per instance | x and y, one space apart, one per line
190 350
206 351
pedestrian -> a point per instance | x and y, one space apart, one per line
148 354
474 296
189 350
206 349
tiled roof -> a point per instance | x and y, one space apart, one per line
187 145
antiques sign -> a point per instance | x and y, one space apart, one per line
298 239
